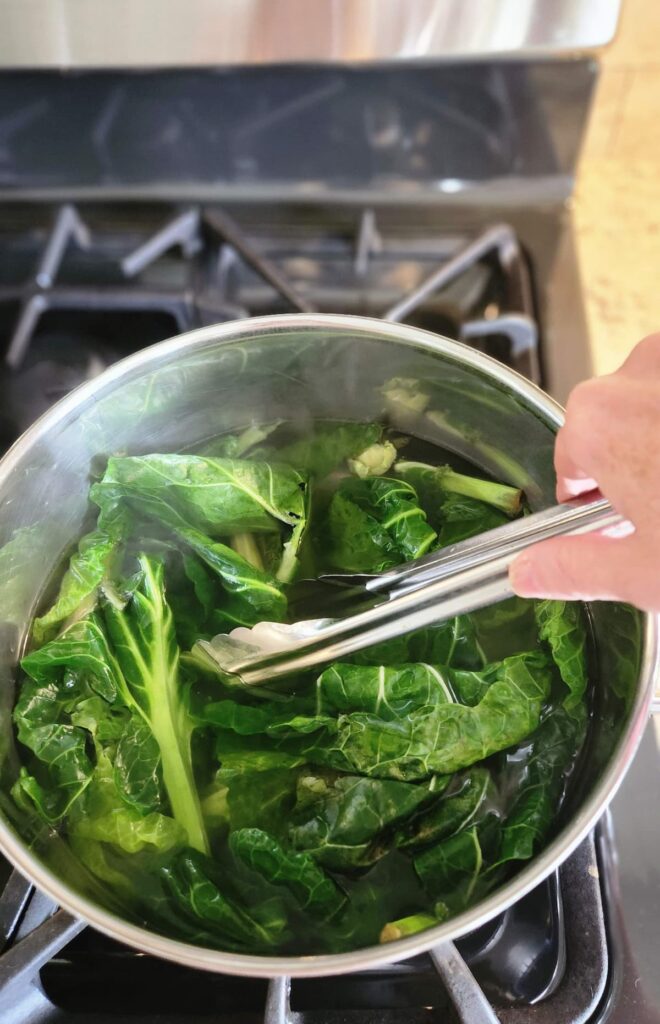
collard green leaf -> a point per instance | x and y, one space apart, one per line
342 820
88 567
375 523
469 798
110 810
387 691
143 636
543 771
312 888
506 628
251 595
259 799
463 518
216 497
191 884
328 446
131 831
454 871
442 738
435 483
138 767
563 627
82 648
454 643
353 540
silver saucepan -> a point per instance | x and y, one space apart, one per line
178 393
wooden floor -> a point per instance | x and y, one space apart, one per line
617 199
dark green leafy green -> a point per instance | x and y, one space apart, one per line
462 518
434 739
371 800
563 627
454 871
329 446
343 820
88 567
469 798
312 888
435 483
192 884
544 768
218 497
375 523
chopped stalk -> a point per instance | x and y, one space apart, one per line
394 930
245 545
502 496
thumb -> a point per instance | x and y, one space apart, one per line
581 568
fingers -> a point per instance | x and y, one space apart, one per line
587 568
644 360
571 478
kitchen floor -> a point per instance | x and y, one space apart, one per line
617 201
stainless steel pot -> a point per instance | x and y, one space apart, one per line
178 393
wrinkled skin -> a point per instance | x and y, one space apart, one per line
609 443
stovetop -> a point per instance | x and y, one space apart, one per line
83 285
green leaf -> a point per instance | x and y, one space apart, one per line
82 648
463 518
138 767
143 636
191 884
435 483
543 769
387 691
109 813
468 799
455 870
441 738
217 497
375 523
251 595
259 799
328 446
341 820
97 552
562 625
315 892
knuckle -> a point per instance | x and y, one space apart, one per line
645 355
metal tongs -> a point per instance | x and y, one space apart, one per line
449 582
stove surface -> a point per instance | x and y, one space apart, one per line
81 286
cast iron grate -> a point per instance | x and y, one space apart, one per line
52 969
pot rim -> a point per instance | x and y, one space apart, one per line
19 854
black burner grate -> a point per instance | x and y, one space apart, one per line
80 287
52 970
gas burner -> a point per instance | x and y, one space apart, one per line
55 363
54 969
99 283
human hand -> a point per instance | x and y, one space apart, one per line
610 442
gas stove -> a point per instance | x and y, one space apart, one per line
136 207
